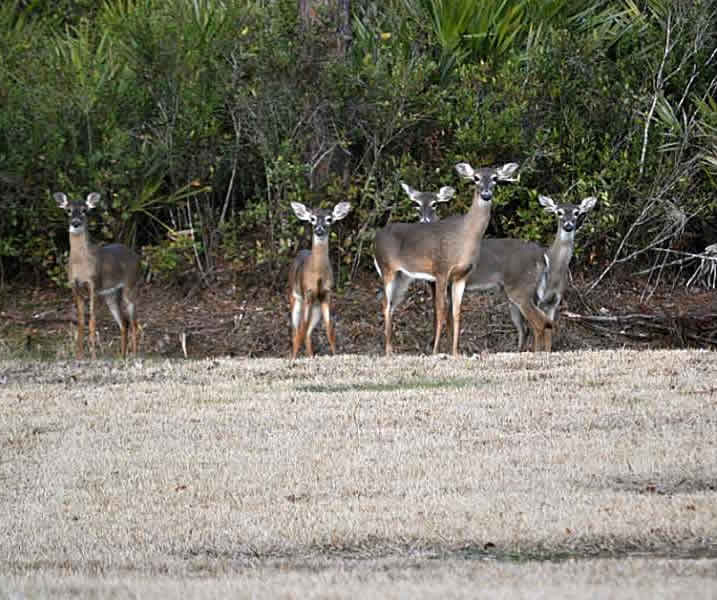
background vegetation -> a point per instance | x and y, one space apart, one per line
200 120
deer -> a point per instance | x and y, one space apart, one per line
111 271
311 279
443 252
426 203
532 277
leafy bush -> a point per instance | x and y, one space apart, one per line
212 116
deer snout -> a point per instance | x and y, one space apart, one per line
568 226
486 194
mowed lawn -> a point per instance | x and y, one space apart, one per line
586 474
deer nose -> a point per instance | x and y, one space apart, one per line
320 230
569 226
486 194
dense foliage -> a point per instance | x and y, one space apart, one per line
200 120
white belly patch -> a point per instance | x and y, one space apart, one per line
423 276
111 290
483 286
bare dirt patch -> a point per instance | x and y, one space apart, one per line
246 315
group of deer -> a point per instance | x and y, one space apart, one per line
451 254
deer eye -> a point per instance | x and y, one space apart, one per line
576 212
327 220
433 204
561 212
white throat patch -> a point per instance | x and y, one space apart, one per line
567 236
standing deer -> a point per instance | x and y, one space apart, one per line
311 278
533 278
112 271
443 252
426 203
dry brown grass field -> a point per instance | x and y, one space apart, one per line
576 474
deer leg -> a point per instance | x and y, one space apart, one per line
389 283
93 323
328 323
295 344
449 325
552 313
537 340
432 289
537 321
113 303
297 310
133 331
536 318
307 302
314 318
457 289
130 308
440 311
540 324
449 307
519 322
123 339
80 304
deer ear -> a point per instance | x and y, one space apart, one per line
412 194
465 171
588 204
341 210
61 199
445 194
301 211
92 199
408 189
505 172
547 203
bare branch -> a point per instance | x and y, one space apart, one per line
658 91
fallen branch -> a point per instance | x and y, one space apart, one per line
683 328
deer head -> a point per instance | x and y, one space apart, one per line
570 216
321 219
426 202
486 178
77 209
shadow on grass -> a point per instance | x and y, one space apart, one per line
316 557
400 385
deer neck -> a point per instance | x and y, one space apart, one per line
83 257
475 223
319 264
560 253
